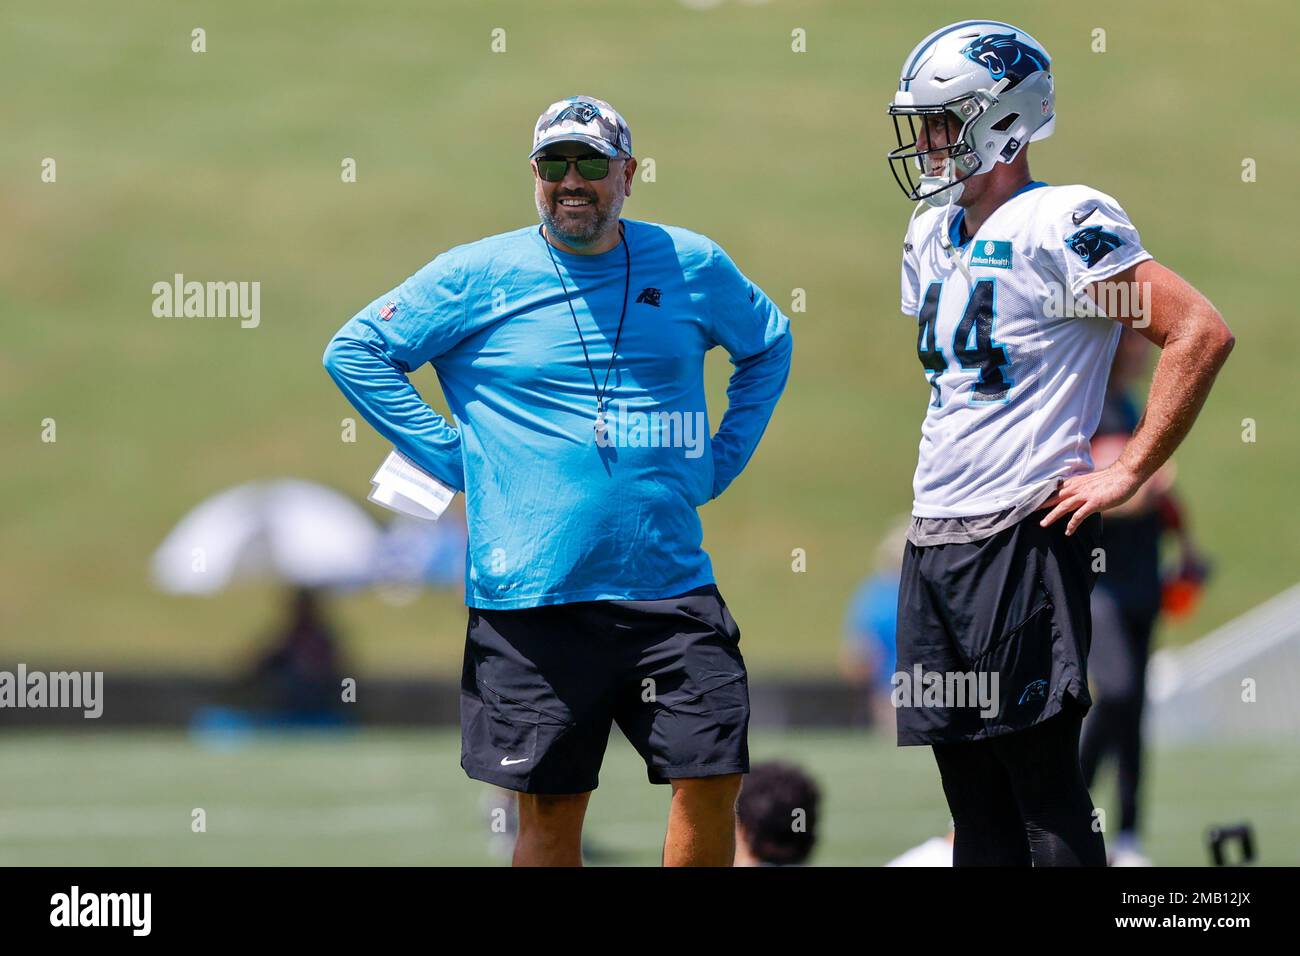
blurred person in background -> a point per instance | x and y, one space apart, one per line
1127 599
299 677
868 653
776 816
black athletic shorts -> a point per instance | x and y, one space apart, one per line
542 687
993 635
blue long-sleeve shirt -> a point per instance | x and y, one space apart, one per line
556 515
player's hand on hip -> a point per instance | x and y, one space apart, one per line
1082 495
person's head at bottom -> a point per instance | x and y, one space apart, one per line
776 816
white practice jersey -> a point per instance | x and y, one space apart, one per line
1016 374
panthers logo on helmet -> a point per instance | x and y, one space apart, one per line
1093 243
1003 55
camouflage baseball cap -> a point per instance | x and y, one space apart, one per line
583 119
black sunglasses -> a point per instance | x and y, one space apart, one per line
555 168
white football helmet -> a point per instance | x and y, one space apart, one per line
995 79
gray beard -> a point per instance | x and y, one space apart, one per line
585 237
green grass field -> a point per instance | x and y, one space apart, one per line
401 798
226 165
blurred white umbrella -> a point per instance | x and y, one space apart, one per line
291 531
415 554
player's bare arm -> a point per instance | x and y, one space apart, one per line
1194 343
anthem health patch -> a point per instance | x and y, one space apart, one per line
991 254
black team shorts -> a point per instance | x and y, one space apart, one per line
1015 607
542 687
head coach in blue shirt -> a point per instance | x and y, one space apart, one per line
571 355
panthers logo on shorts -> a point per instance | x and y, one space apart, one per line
1005 56
1093 243
1035 691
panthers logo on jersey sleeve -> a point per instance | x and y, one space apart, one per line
1093 243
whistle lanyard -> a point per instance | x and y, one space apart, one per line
602 389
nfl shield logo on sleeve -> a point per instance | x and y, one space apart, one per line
388 311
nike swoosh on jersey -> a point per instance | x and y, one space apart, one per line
506 761
1077 219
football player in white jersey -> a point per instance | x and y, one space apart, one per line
1018 289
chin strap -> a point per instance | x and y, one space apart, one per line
956 257
950 203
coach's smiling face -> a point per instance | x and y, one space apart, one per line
581 215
